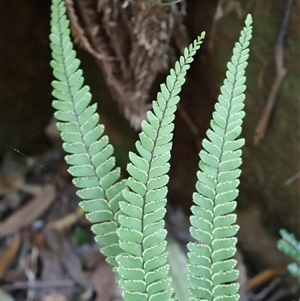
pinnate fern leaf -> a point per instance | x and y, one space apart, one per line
143 267
128 216
90 154
291 247
211 272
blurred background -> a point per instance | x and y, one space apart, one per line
126 49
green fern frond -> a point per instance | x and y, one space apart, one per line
211 267
291 247
90 154
143 266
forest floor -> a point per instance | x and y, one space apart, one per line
47 249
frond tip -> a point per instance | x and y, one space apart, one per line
211 269
90 154
143 266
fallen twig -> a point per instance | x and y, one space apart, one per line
292 178
9 254
39 284
66 221
29 212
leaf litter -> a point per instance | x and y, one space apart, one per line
47 250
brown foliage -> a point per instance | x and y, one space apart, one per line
131 42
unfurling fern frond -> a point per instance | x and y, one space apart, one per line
211 269
291 247
90 154
143 266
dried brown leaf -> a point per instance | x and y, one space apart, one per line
8 255
62 248
54 297
29 212
66 221
134 40
263 278
104 281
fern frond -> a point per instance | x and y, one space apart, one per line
90 154
143 266
291 247
211 267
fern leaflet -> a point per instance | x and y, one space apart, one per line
143 266
291 247
211 267
90 154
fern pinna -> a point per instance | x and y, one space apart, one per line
90 154
211 267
